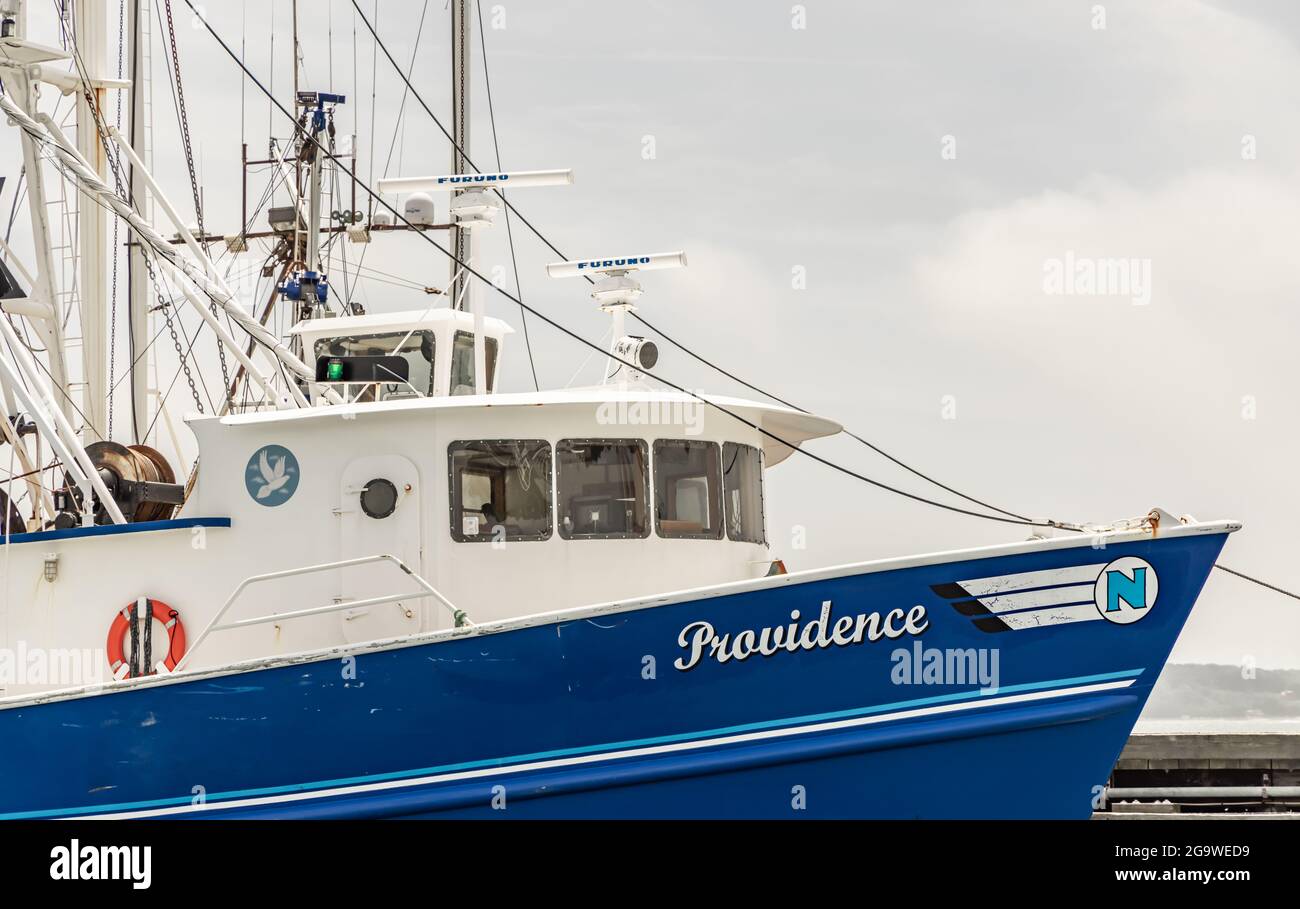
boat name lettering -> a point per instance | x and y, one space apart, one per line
701 639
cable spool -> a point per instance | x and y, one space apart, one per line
139 479
163 473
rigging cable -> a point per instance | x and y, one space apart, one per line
401 108
166 305
171 314
1254 580
183 120
416 94
510 235
884 454
112 312
570 333
511 209
682 347
131 276
585 342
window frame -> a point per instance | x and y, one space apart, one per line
421 333
762 500
491 354
453 494
647 502
718 503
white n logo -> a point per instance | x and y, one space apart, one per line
1126 590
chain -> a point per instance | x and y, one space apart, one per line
184 118
166 308
194 180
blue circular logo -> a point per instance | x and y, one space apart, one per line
272 475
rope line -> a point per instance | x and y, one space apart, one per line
1254 580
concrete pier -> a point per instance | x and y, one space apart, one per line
1216 772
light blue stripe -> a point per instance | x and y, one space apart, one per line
588 749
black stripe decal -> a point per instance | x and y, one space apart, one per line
971 607
950 591
992 624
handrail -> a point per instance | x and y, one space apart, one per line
458 615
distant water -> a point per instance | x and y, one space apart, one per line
1204 726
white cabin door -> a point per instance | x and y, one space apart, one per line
379 511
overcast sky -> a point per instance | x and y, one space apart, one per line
921 164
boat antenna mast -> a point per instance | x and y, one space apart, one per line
475 203
308 286
460 163
616 292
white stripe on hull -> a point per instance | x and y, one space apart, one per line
1039 618
1039 599
1051 577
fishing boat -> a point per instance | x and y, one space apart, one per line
386 587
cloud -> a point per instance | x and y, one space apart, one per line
1220 248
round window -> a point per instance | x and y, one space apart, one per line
379 498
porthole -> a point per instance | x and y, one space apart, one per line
379 498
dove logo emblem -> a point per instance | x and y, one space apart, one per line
272 475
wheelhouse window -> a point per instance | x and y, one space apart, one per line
416 347
602 486
500 490
742 492
462 363
688 489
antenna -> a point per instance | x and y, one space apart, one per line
470 181
474 206
309 285
616 291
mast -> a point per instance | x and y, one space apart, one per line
313 196
21 86
90 35
137 271
299 240
460 57
462 287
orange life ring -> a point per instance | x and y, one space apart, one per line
171 620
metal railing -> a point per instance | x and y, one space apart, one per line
458 615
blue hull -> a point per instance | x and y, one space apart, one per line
687 709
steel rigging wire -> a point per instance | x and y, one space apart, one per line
555 249
691 353
574 335
510 234
566 331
